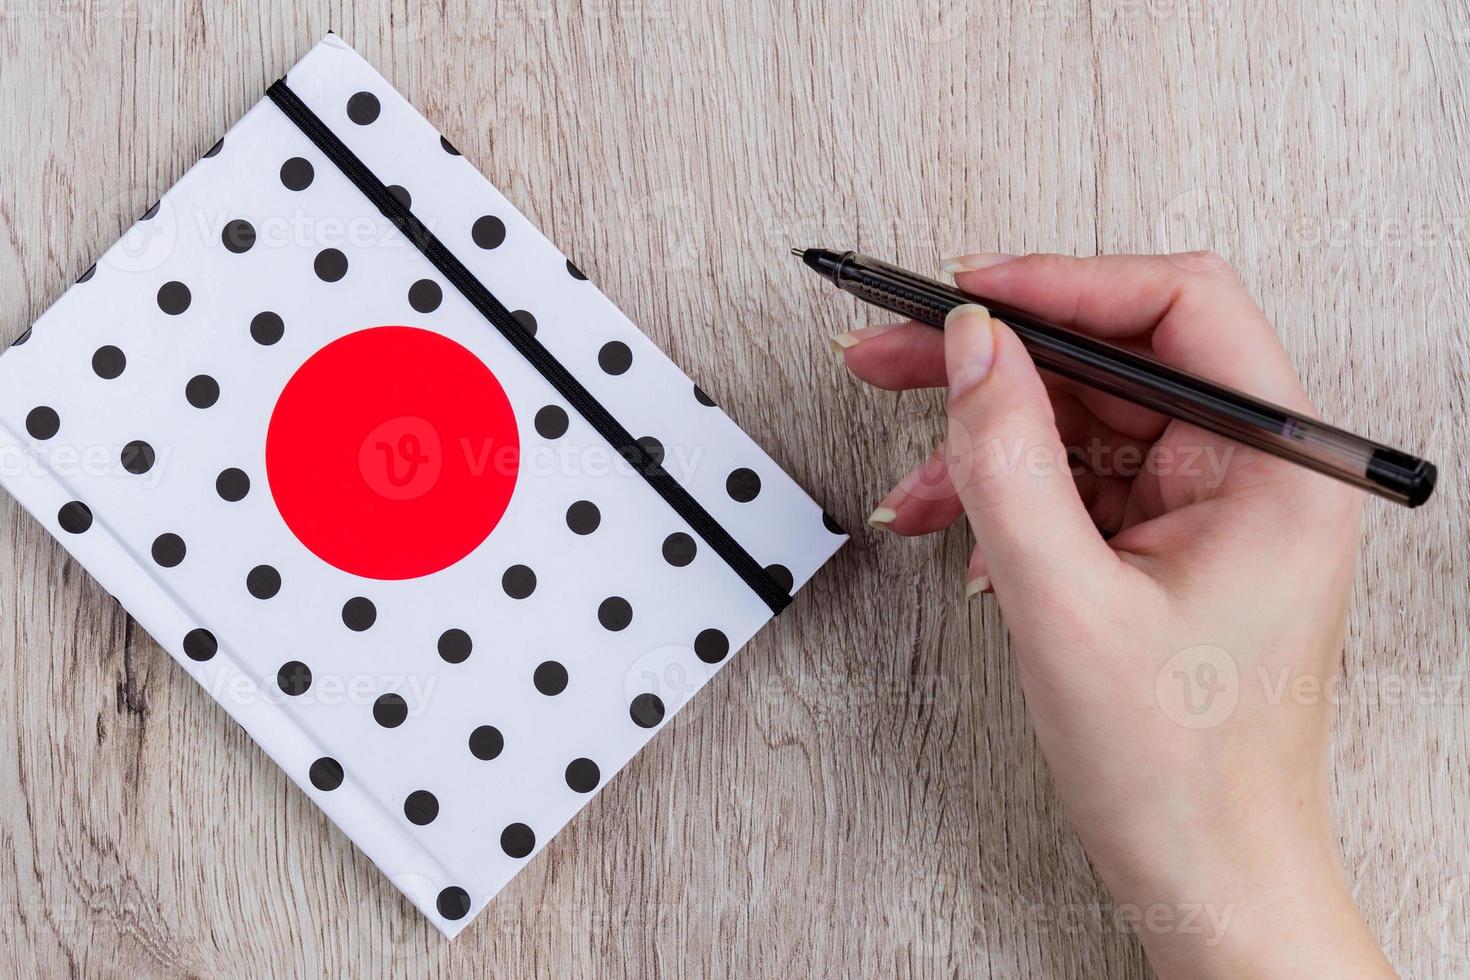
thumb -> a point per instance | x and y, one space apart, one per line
1008 464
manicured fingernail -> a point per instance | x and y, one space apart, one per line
975 262
969 347
852 338
976 586
882 517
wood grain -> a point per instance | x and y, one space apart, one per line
859 794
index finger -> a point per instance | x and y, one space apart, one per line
1196 314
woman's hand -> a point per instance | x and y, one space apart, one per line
1176 601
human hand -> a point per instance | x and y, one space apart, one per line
1169 595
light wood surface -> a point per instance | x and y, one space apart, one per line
859 794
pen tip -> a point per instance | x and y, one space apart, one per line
799 252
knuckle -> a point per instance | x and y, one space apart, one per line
1001 456
1049 263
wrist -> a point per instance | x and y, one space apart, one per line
1264 910
1317 934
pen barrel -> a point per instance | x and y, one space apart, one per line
1144 381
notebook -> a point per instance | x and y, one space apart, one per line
391 478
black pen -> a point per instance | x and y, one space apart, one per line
1377 468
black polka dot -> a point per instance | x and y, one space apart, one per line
326 774
169 550
615 613
711 646
453 902
213 151
551 422
583 775
400 194
363 108
646 710
74 517
173 298
743 485
330 265
550 678
583 517
702 398
488 231
679 549
297 174
653 449
421 807
448 147
267 328
263 582
87 276
202 391
294 678
138 457
830 523
782 575
108 362
238 236
359 614
486 743
232 485
455 646
425 296
200 645
518 581
526 320
152 211
42 422
615 357
517 840
390 710
575 272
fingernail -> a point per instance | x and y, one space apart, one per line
882 517
842 341
975 262
976 586
969 347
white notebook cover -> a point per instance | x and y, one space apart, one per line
353 512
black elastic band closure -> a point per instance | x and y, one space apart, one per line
621 440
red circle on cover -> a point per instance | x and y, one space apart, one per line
392 453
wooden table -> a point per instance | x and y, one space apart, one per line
859 793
